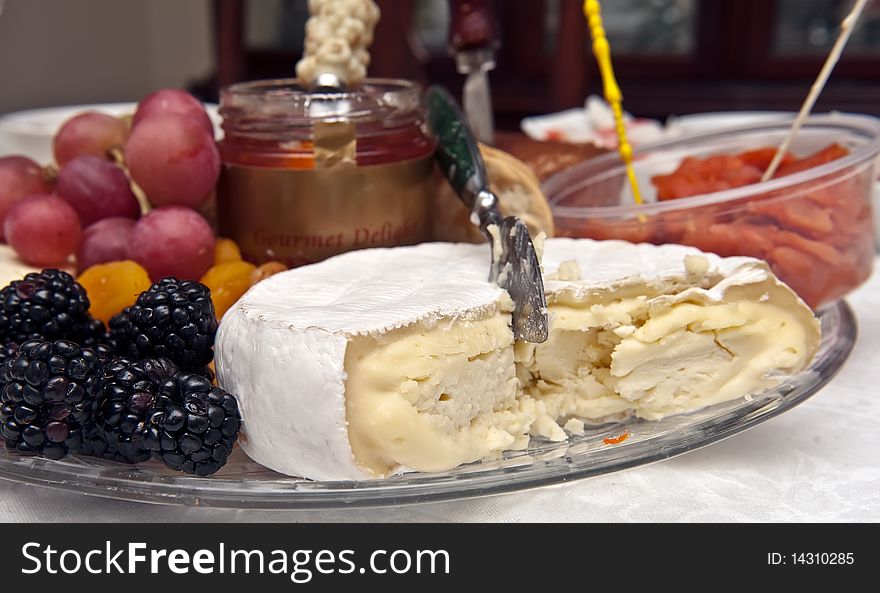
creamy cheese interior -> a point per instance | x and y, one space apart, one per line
624 358
432 398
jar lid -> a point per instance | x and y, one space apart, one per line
283 102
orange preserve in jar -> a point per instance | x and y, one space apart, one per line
307 175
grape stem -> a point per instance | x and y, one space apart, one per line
49 173
119 158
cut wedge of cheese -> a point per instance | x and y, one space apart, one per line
386 360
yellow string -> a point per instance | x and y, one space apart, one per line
602 51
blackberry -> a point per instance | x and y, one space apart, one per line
117 331
194 427
96 337
207 372
105 341
49 305
47 397
126 400
7 351
173 319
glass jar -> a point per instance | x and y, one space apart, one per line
307 175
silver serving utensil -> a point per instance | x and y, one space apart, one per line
515 266
473 40
476 97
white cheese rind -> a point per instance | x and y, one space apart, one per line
375 290
282 348
605 265
290 385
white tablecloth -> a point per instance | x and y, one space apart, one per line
817 462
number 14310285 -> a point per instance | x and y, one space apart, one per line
810 558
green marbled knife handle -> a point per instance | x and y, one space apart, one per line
457 151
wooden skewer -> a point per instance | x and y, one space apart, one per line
846 28
602 51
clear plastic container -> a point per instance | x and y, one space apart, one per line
813 227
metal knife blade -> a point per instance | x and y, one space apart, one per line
476 96
519 273
473 40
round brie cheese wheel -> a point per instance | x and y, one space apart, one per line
382 361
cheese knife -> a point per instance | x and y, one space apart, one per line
473 41
515 266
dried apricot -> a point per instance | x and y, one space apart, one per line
830 153
113 286
227 283
819 242
225 251
270 268
762 157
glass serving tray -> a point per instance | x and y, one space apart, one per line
244 484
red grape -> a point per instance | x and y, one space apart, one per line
174 101
173 241
173 160
20 177
96 189
89 133
104 241
43 229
